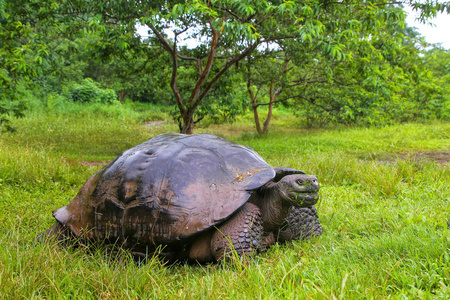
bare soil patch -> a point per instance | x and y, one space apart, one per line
154 123
441 157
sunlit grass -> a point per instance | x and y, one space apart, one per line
384 217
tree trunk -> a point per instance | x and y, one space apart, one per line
187 118
253 97
269 112
122 96
255 111
201 87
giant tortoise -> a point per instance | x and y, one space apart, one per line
191 197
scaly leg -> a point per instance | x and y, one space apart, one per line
302 223
242 232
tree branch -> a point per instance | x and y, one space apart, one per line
375 4
277 101
173 80
231 13
237 58
161 38
199 61
194 99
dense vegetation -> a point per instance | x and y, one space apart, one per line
384 211
350 62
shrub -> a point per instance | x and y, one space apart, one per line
107 96
88 91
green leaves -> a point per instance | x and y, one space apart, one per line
121 44
429 9
340 53
2 9
88 91
287 7
311 30
11 108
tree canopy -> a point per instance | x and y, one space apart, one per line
343 58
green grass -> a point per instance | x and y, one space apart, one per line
384 217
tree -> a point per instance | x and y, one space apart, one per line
266 76
225 32
29 30
361 76
13 64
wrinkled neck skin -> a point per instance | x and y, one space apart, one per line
274 210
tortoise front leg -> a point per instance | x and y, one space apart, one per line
242 232
302 223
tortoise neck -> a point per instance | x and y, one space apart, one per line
274 210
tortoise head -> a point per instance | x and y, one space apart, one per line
299 190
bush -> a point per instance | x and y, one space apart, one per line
107 96
88 91
12 108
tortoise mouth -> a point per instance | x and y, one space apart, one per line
305 199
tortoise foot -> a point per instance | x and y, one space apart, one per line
241 234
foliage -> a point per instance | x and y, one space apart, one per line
232 30
88 91
437 62
351 62
26 46
8 108
383 81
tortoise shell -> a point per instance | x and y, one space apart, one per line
166 190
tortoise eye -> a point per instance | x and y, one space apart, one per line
299 182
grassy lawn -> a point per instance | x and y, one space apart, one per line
384 210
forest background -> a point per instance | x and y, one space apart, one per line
349 62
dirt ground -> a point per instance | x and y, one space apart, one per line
442 157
